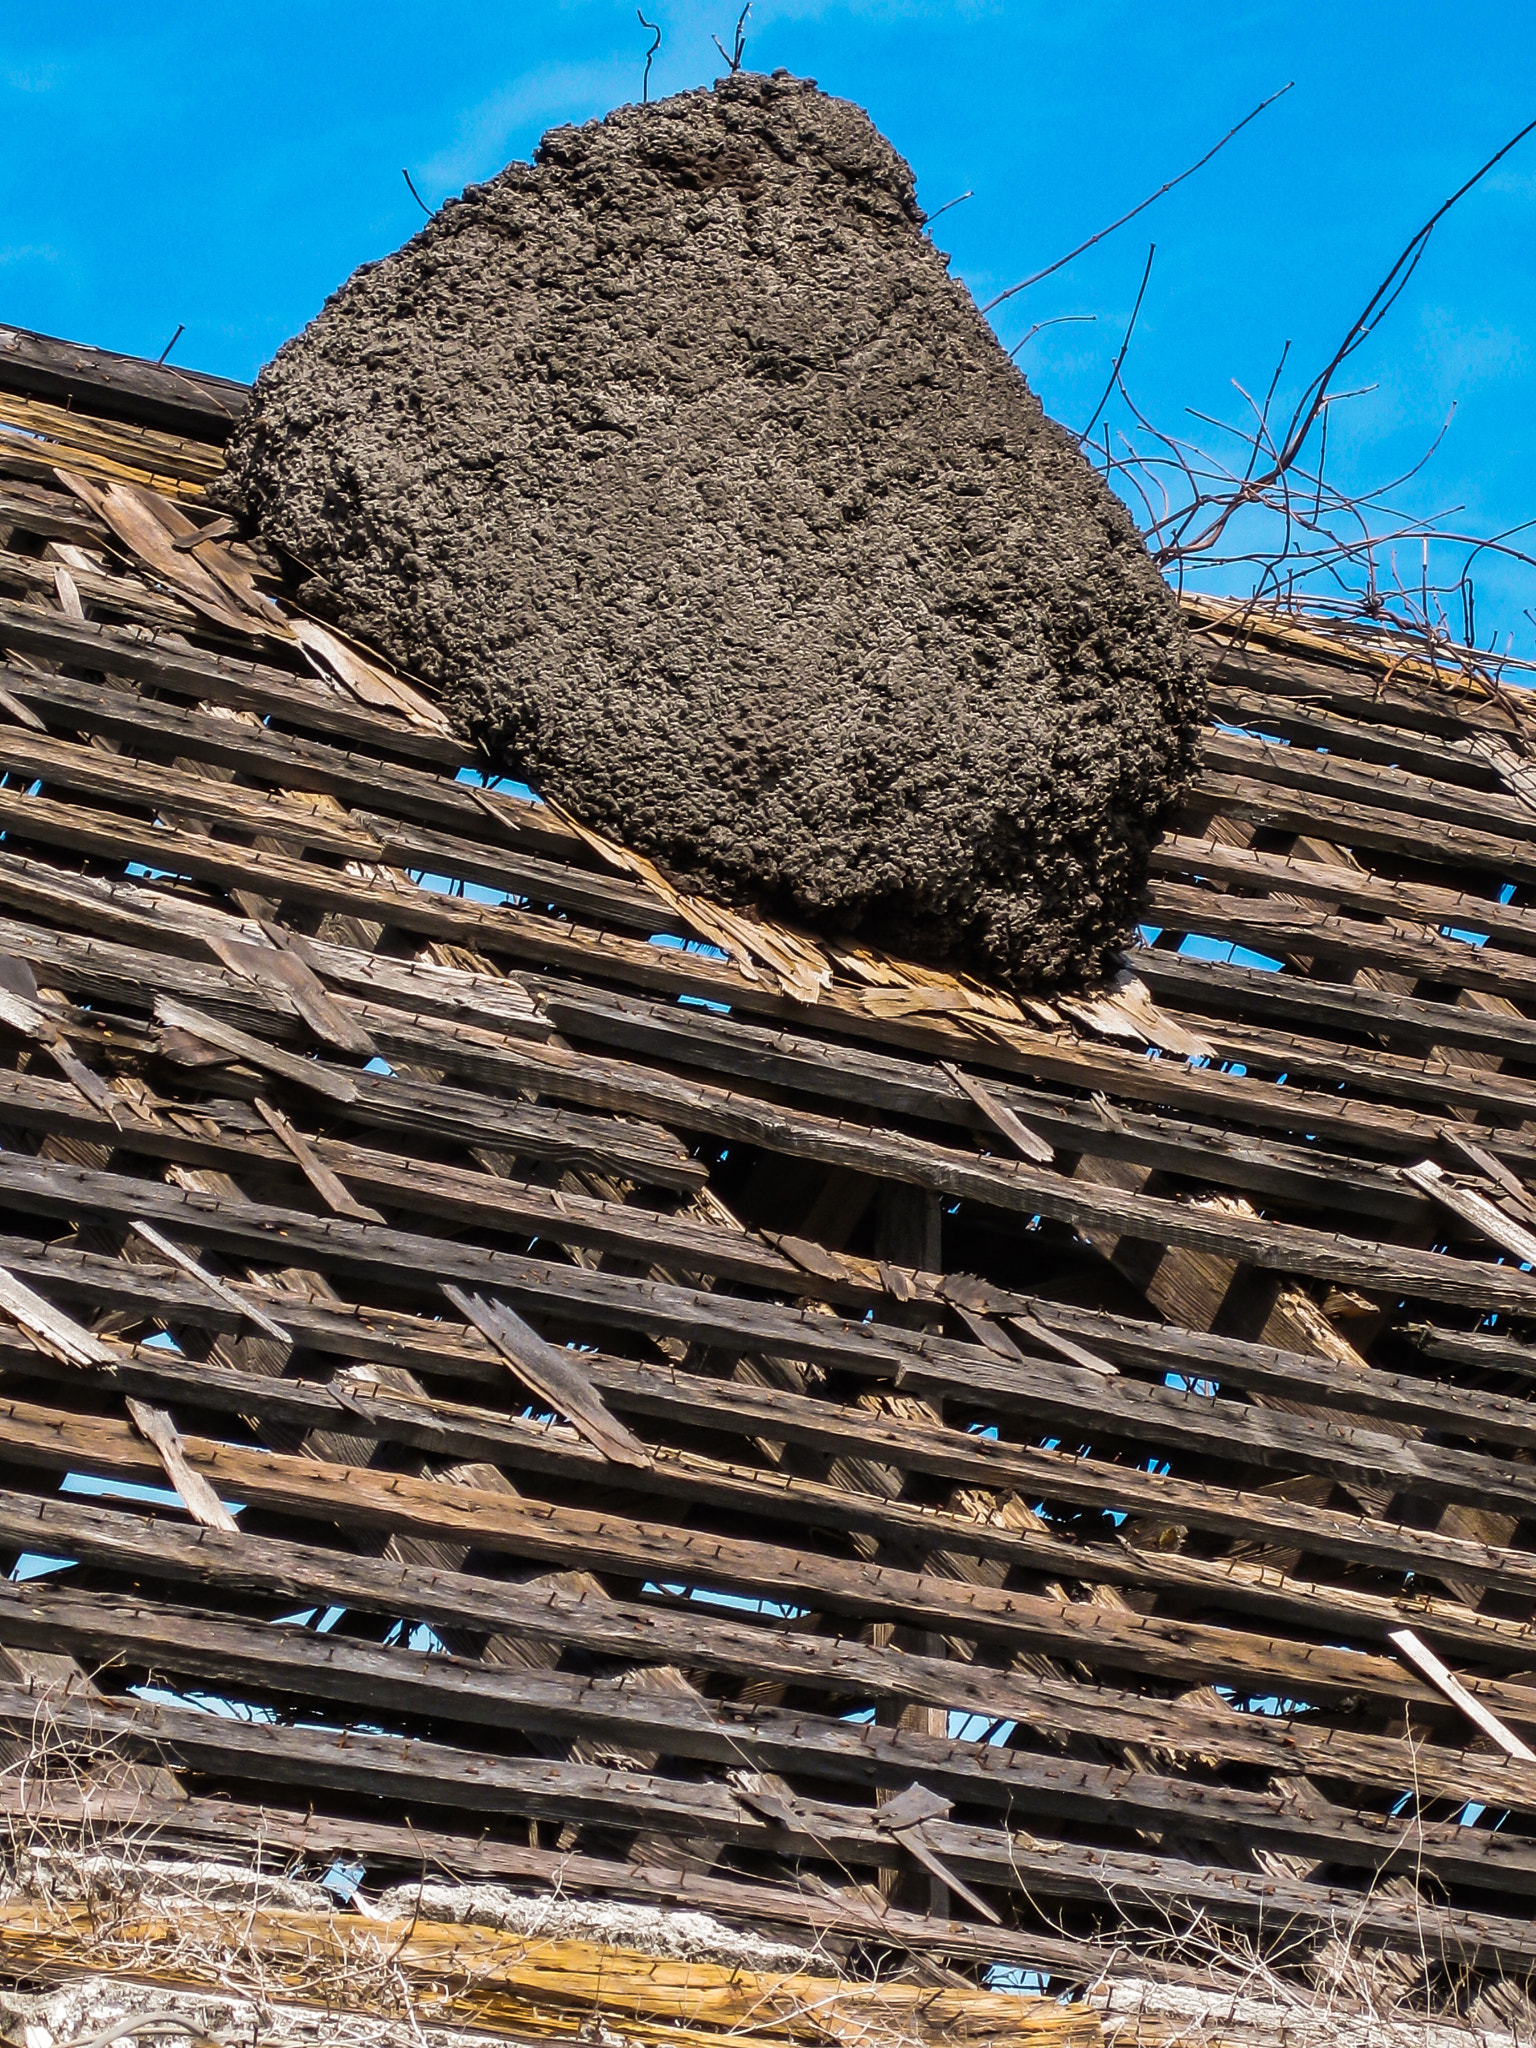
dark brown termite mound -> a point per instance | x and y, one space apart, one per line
702 495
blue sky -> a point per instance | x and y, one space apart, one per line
225 166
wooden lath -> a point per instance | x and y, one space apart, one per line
722 1393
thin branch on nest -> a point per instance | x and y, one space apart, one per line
650 57
733 55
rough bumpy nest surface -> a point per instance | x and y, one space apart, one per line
703 496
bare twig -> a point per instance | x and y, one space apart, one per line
1222 508
1061 320
956 201
650 55
414 193
733 56
1114 375
1062 261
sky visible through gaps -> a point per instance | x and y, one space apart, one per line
226 166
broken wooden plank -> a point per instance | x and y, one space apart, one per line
554 1375
210 1285
320 1177
1420 1654
193 1490
1483 1162
21 1010
905 1816
1484 1216
49 1328
285 965
1064 1346
1000 1116
257 1052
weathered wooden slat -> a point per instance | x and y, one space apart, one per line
233 1138
127 601
394 1338
386 1102
1094 1067
53 515
207 1284
1311 724
1489 1219
1419 1654
569 1537
187 673
178 935
1368 686
1045 1391
1288 930
1333 1006
101 383
285 965
46 1327
79 446
1361 826
1010 1185
331 1190
505 1984
1347 888
1340 781
736 1048
499 929
738 1410
686 1633
436 1775
117 709
294 1664
730 1047
626 905
116 779
1435 1086
408 1849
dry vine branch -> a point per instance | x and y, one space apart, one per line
1326 534
650 57
1321 550
1119 364
1082 247
733 55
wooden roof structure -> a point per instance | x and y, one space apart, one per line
540 1376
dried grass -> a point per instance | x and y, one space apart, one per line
166 1946
155 1943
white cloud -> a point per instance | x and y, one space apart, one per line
30 77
